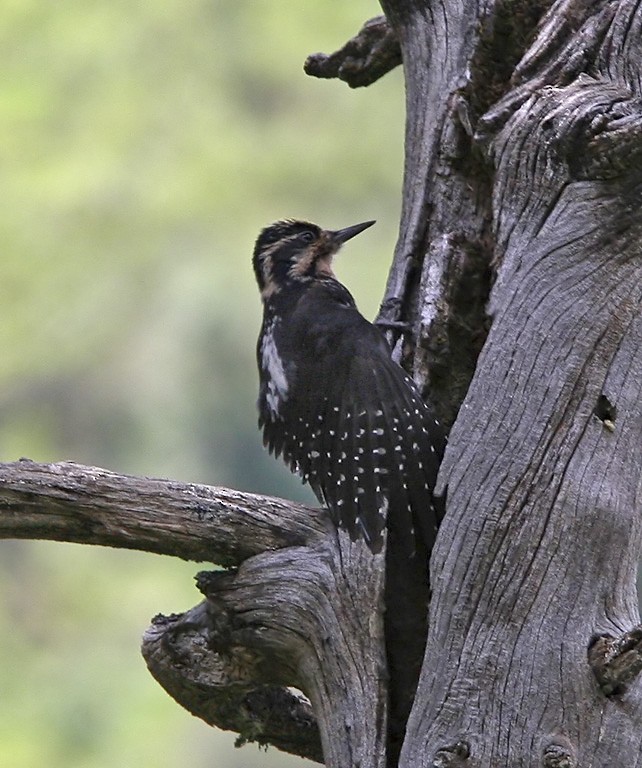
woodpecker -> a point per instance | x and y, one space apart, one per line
332 402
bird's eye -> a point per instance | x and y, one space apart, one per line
307 237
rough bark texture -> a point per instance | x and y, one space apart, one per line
365 58
313 617
540 545
516 295
303 608
224 690
88 505
440 275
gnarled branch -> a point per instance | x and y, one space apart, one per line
366 57
88 505
286 616
215 686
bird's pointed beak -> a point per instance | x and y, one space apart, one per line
342 235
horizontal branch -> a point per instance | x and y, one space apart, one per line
366 57
286 616
89 505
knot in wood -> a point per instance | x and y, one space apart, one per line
452 756
616 661
559 754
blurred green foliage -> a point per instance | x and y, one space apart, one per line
143 147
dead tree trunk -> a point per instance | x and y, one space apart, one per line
538 553
519 273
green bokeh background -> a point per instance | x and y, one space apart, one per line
143 145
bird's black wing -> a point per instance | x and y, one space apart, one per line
355 427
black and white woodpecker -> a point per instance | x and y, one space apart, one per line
332 402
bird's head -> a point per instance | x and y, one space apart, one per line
289 251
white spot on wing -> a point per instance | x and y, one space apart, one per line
277 383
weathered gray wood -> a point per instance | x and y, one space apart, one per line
304 608
225 687
541 542
314 616
440 275
90 505
366 57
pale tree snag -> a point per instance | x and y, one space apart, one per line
541 541
285 616
515 297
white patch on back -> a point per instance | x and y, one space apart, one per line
272 364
